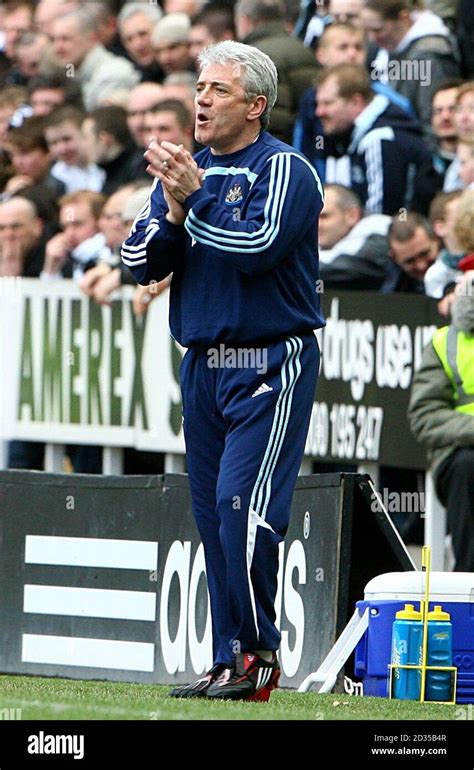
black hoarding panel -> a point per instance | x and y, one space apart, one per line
103 577
370 348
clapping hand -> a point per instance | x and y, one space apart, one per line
178 173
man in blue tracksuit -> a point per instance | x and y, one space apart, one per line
236 225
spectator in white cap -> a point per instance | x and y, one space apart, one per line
170 43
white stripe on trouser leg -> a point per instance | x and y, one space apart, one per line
254 521
282 427
293 346
289 375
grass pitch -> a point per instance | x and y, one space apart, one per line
67 699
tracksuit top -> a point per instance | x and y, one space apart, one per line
245 262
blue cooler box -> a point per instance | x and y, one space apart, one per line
385 594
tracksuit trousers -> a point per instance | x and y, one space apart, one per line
245 428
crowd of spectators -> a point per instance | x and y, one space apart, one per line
377 94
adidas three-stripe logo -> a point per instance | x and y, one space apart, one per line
264 388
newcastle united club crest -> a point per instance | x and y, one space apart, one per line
234 194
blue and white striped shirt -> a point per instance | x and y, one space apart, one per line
245 262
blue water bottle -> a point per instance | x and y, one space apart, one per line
407 649
439 684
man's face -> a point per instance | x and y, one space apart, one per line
110 221
19 225
15 24
78 223
442 114
221 107
466 163
345 11
334 222
71 44
44 100
464 115
141 99
136 37
336 114
341 47
385 33
199 38
33 163
416 255
66 143
172 56
165 127
28 57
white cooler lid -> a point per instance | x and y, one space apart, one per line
444 586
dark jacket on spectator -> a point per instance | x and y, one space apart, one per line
121 169
14 78
397 280
138 167
359 260
465 34
308 127
34 258
151 74
296 67
428 43
390 162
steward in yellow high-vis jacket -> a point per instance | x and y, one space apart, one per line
441 415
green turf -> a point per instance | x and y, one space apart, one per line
40 698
